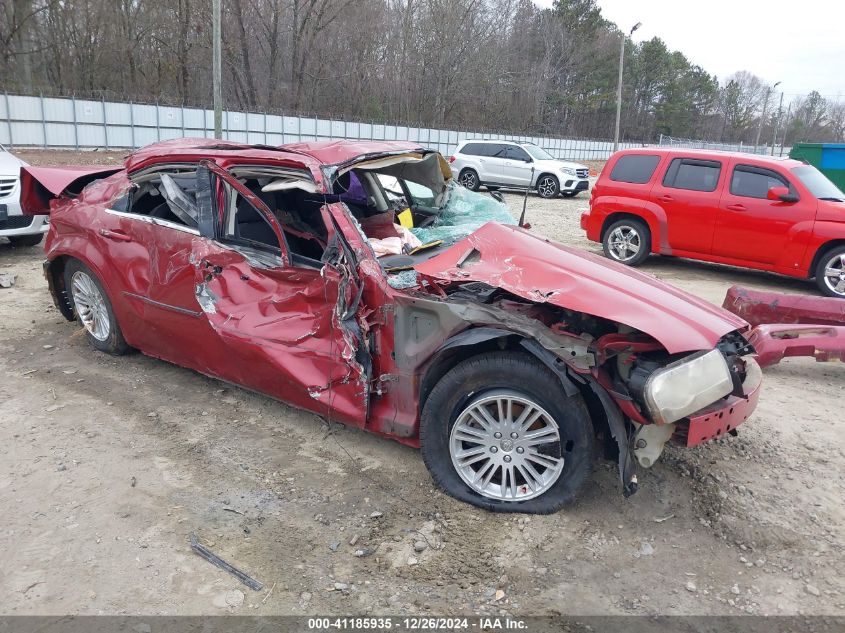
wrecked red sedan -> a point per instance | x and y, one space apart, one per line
509 359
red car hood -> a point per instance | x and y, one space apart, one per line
539 270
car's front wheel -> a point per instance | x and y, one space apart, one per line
92 308
627 241
830 273
548 186
469 178
499 432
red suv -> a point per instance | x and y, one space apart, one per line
774 214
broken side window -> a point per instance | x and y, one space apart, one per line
167 194
294 205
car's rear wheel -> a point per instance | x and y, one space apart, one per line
830 273
26 240
92 309
499 432
547 186
469 178
627 241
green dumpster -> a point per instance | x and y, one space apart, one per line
828 158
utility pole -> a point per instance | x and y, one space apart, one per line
777 124
217 63
763 115
785 127
619 87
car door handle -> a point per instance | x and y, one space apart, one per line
736 207
665 198
117 236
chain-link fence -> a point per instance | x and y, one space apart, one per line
71 123
687 143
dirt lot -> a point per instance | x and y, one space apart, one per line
110 464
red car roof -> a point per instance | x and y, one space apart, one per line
759 159
310 155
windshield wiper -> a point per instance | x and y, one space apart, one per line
832 199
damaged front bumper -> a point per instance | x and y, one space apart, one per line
774 342
723 416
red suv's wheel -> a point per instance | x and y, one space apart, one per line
627 241
830 273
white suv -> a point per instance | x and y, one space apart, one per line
496 164
22 230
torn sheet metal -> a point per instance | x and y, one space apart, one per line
758 307
41 185
541 271
774 342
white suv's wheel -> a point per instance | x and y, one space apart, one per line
469 179
548 186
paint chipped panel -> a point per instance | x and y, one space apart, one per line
760 307
774 342
538 269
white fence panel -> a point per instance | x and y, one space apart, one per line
29 121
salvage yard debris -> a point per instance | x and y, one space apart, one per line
214 559
7 280
790 325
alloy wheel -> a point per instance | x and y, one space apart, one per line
834 274
468 180
506 447
90 305
624 243
547 187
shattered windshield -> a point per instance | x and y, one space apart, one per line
409 209
462 213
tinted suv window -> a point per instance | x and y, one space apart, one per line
692 174
472 149
516 153
634 168
755 182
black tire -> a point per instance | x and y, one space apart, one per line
643 241
113 343
521 374
548 186
26 240
834 259
469 178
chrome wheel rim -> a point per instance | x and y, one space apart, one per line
834 274
624 243
506 447
90 305
547 187
468 180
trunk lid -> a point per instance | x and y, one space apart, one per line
41 185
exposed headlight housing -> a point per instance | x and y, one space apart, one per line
687 385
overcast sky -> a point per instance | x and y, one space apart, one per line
800 44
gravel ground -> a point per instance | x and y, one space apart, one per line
110 464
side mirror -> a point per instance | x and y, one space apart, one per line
781 194
529 160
